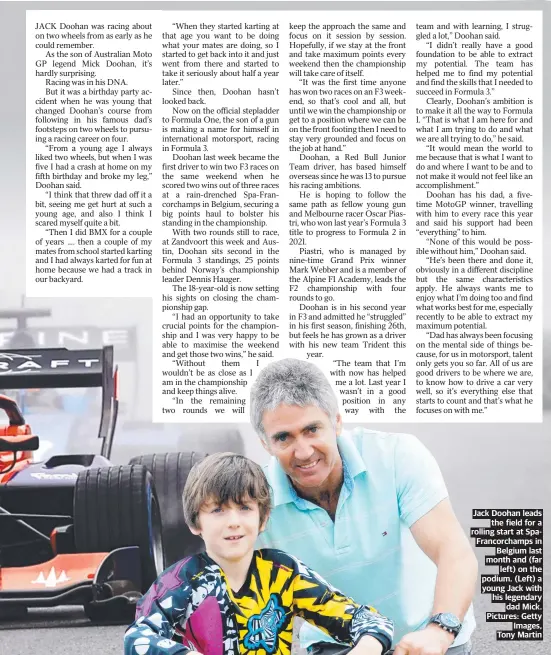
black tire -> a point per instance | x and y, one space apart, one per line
212 440
170 471
115 507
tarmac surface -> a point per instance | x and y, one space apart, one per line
495 466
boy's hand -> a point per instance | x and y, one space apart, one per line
367 646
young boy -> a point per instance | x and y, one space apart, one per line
234 599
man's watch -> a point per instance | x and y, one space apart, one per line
447 621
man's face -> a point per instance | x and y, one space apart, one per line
305 443
230 530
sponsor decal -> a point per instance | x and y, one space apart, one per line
52 579
13 357
54 476
79 336
16 363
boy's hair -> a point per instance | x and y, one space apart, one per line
223 477
291 382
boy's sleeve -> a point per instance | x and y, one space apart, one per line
318 602
157 613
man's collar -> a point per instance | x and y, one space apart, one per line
351 455
283 491
281 486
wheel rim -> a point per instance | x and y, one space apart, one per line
157 549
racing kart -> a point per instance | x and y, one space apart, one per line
76 529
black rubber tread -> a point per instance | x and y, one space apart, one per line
213 441
170 471
112 506
114 515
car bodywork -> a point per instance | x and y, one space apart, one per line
39 564
57 428
68 431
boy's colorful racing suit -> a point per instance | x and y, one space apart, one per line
191 607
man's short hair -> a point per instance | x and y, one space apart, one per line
223 477
291 382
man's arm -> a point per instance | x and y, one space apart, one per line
440 536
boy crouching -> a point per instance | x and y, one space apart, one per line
234 599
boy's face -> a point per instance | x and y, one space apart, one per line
229 531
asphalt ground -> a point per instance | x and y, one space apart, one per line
496 466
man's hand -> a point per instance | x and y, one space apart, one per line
432 640
367 646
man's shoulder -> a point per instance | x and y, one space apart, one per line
367 441
400 450
370 445
375 452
